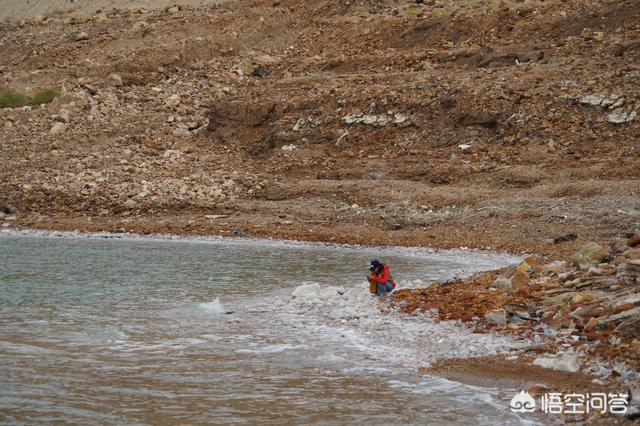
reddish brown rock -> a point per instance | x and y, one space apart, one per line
634 241
623 307
591 325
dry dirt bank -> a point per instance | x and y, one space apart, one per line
453 123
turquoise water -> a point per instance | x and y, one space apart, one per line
97 330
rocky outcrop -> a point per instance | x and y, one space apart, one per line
595 298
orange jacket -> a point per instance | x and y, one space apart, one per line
384 277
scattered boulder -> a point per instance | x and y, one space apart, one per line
64 115
173 101
115 80
80 36
592 100
591 253
513 277
58 127
181 132
245 68
129 204
568 363
375 120
580 299
605 101
619 117
140 25
498 317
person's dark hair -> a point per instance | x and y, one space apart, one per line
375 265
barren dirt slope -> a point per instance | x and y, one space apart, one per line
475 123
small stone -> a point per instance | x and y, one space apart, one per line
498 317
115 80
512 278
568 363
532 261
173 101
64 115
261 72
585 313
80 36
58 128
245 68
182 132
591 325
140 25
580 299
519 279
555 267
129 203
634 241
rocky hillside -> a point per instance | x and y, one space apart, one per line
511 125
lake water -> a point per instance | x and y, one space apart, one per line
97 330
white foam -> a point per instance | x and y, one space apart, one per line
353 316
214 307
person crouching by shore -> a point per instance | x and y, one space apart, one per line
380 280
